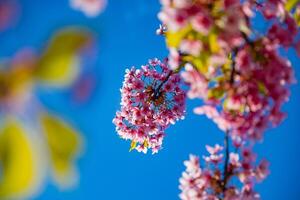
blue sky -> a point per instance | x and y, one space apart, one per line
126 36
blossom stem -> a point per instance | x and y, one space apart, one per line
157 91
232 72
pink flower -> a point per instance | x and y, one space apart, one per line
234 19
249 194
202 23
182 3
272 9
234 160
212 113
197 82
192 47
214 150
91 8
215 156
151 100
262 171
193 182
247 8
244 60
231 3
173 19
241 80
206 183
279 35
174 59
161 30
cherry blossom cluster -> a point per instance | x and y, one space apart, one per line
238 72
207 30
198 183
152 99
252 96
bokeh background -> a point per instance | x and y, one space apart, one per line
125 36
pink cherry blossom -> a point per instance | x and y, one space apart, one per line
212 113
238 75
192 47
214 150
197 82
240 78
161 30
215 156
174 59
193 182
262 170
202 23
234 160
208 183
151 100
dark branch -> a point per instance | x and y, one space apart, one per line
226 173
157 90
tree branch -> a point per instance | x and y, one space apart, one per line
226 173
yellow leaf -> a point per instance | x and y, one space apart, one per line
215 93
59 63
64 146
200 63
213 43
262 88
132 145
18 162
62 70
290 4
146 144
14 81
173 39
297 17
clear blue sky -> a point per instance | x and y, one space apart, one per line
126 37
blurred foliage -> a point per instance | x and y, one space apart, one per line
290 4
64 145
58 65
51 146
293 6
17 159
9 13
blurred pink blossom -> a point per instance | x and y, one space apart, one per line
91 8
